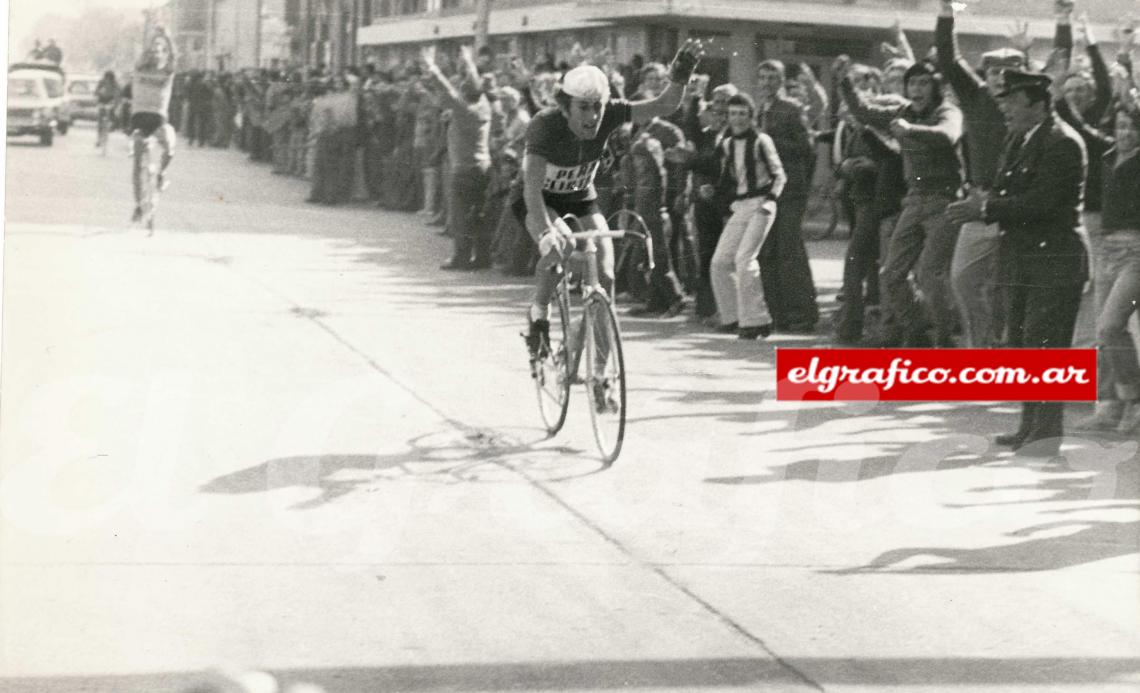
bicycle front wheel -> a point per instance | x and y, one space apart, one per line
149 172
551 367
605 377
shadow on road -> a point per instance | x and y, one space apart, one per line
755 673
442 458
1103 483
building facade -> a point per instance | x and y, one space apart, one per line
233 34
737 33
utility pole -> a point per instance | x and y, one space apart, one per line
482 22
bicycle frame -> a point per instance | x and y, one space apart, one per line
592 287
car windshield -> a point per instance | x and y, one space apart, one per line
54 88
81 88
19 88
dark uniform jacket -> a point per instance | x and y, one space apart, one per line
784 123
1036 202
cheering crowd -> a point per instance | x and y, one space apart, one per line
975 220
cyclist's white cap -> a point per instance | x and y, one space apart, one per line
586 82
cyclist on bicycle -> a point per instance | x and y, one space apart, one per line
150 100
565 145
106 94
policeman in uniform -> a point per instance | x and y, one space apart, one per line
1036 202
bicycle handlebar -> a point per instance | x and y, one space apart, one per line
607 233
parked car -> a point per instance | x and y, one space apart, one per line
81 101
36 101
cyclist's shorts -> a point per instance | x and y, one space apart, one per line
579 208
147 123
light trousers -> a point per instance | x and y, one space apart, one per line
735 267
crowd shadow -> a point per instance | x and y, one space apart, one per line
1100 485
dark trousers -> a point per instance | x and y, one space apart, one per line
709 218
1042 317
923 241
198 124
860 266
471 232
784 268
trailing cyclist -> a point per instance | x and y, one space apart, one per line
565 145
106 94
150 101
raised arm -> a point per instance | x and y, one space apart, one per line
1063 36
440 80
962 79
863 111
948 130
1101 78
680 70
901 47
1087 132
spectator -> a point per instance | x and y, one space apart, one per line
646 183
751 181
973 272
708 213
928 130
52 53
788 285
1116 270
469 158
1036 200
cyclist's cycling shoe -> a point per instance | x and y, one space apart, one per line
163 182
537 338
136 216
605 398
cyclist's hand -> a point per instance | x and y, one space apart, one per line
690 53
554 240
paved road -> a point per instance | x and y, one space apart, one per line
275 436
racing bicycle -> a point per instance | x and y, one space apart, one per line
596 334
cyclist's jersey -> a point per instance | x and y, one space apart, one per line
571 163
105 94
151 90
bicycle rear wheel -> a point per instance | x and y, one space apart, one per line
605 376
631 267
551 369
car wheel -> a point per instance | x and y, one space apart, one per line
46 137
63 126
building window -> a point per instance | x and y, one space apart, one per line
381 8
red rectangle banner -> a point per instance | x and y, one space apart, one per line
936 375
